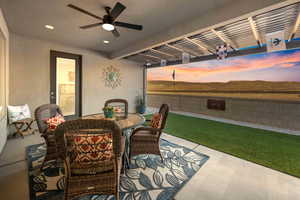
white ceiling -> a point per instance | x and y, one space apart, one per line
28 17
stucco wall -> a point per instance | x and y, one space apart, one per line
3 122
30 75
281 114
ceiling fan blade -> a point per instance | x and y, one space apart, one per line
127 25
84 11
91 25
116 33
117 10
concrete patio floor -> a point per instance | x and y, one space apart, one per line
221 177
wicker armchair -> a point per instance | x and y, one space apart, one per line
45 112
122 103
100 176
145 140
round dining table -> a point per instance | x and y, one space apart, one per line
131 121
128 123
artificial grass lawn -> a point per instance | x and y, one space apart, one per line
271 149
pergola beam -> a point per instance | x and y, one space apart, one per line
200 45
295 28
163 53
183 50
173 47
150 56
254 31
224 39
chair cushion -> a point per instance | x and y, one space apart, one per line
144 136
16 113
90 153
156 120
92 147
53 122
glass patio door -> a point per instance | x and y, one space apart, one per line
66 83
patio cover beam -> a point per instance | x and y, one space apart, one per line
183 50
295 28
163 53
254 31
171 46
201 45
150 56
224 39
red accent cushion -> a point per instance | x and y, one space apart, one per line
156 120
91 147
53 122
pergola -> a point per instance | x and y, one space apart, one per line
243 35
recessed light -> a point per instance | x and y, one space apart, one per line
49 27
105 41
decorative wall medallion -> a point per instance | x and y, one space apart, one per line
112 77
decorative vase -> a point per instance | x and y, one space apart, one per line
141 109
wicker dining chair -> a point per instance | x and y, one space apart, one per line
145 140
93 157
122 103
42 113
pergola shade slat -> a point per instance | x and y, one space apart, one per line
240 34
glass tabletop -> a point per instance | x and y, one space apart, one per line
133 120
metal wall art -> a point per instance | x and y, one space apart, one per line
112 77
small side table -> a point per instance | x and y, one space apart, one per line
24 123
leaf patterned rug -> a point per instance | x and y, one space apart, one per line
147 179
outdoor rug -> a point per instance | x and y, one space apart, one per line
147 179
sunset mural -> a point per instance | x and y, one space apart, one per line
277 72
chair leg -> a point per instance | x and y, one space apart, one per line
117 195
28 126
19 129
162 159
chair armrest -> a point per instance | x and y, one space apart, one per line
123 146
146 128
67 166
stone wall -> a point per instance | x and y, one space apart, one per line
281 114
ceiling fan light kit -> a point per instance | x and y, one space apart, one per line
108 27
109 22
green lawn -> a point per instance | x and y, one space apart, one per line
274 150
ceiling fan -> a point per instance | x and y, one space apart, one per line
108 21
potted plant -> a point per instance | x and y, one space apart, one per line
141 106
108 111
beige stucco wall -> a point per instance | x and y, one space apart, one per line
30 75
3 122
280 114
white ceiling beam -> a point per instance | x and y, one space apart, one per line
254 31
224 39
201 45
173 47
183 50
295 28
150 56
163 53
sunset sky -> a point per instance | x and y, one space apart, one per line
276 66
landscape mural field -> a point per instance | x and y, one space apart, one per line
273 76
